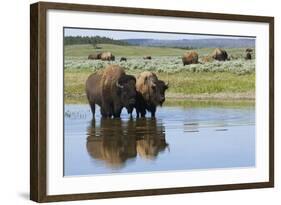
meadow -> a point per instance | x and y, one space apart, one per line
230 80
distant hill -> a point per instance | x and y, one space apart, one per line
73 40
194 43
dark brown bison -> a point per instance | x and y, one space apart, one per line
219 54
150 93
147 58
123 59
249 50
94 56
107 56
190 58
111 89
248 56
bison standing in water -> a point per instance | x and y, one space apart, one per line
219 54
150 93
111 89
190 58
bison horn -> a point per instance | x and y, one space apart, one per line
118 85
167 84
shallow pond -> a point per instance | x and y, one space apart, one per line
180 138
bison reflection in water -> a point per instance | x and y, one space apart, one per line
114 141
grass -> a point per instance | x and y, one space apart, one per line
182 83
118 50
234 79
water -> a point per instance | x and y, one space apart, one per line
180 138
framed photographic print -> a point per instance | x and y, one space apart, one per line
134 102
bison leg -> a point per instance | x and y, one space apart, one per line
106 109
117 111
105 112
93 108
153 110
143 112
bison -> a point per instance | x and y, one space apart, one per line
123 59
219 54
207 59
147 58
150 93
95 56
107 56
111 89
190 58
248 56
249 50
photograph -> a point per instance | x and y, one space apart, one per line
151 102
155 102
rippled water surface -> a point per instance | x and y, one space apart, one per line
180 138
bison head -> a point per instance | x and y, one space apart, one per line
157 92
127 91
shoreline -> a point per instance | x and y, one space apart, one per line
176 97
224 96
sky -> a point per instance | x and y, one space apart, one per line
118 35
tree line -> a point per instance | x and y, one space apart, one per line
94 40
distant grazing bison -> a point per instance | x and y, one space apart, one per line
147 58
107 56
249 50
150 93
207 59
123 59
111 89
190 58
219 54
248 56
94 56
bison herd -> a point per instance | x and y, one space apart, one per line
190 57
218 54
112 89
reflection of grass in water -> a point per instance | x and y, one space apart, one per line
76 114
209 103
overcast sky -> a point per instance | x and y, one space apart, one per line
129 34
